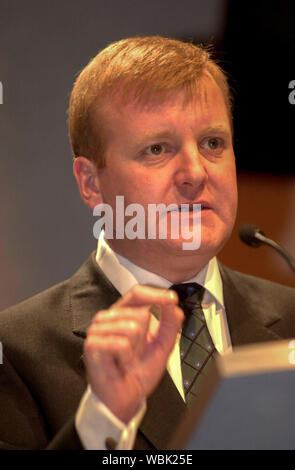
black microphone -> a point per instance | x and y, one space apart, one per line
253 236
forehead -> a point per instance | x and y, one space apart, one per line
201 103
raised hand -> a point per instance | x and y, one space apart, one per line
124 360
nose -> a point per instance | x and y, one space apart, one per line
190 174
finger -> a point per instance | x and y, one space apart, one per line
141 294
134 330
138 314
112 354
170 324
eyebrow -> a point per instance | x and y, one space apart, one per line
157 135
167 133
153 137
220 128
217 128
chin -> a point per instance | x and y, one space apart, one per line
176 247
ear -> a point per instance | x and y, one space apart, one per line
86 175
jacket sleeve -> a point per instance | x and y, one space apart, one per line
67 438
22 426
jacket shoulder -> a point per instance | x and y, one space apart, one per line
30 323
46 299
269 301
46 304
256 284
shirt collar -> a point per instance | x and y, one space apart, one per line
124 274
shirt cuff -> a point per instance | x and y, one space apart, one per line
95 423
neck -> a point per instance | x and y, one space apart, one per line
174 265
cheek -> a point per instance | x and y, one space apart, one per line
231 184
231 197
225 188
134 188
144 188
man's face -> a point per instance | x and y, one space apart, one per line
173 153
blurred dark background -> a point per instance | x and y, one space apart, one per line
259 55
46 232
258 52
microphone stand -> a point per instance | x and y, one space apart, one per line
278 248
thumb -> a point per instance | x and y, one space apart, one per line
170 324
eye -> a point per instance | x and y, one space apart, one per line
214 144
155 149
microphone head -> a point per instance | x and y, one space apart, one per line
248 234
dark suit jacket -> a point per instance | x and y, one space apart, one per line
43 378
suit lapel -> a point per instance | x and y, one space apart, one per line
248 318
91 291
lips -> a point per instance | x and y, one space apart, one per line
189 206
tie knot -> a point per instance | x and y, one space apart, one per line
189 293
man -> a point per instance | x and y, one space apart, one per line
150 120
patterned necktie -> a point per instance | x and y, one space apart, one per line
196 346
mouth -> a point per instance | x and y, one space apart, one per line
193 206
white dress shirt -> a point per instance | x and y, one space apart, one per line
94 421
